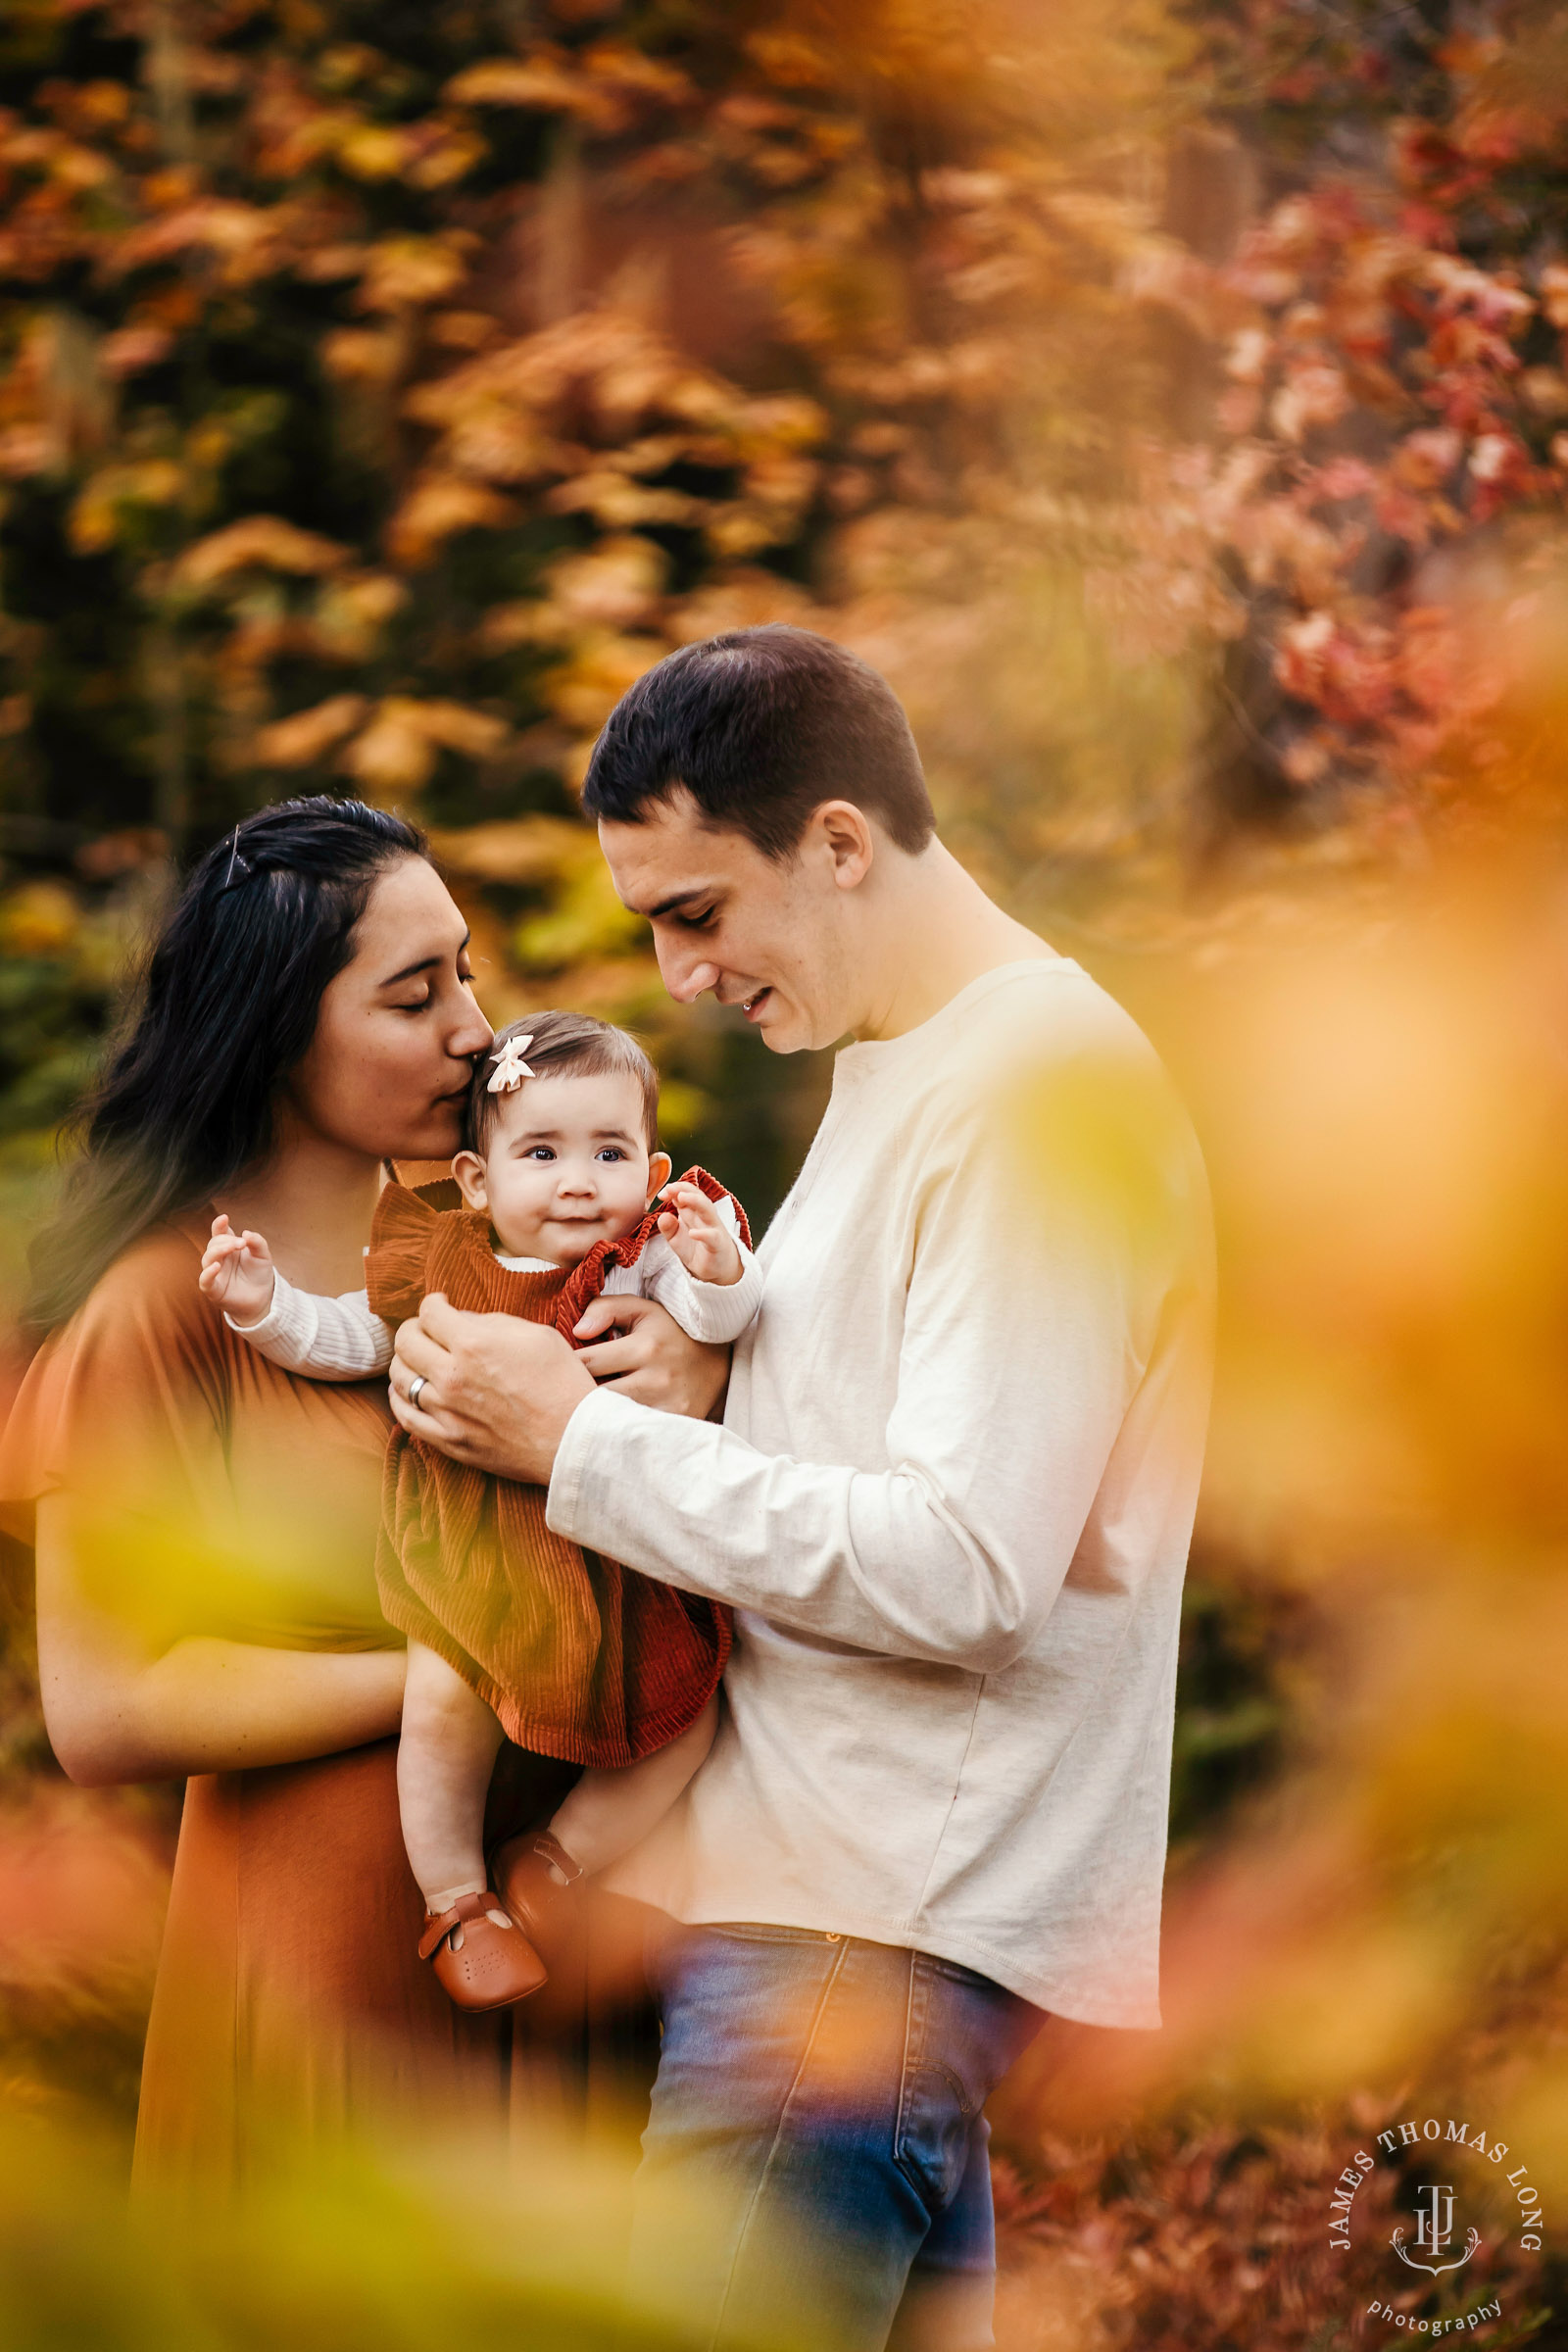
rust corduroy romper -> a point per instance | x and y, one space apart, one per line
579 1657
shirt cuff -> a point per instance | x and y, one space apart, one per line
724 1309
587 1443
276 1319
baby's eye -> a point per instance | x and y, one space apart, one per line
610 1151
539 1151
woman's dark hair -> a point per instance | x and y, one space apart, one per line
761 727
229 1006
562 1045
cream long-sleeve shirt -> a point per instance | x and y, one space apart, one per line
344 1338
951 1501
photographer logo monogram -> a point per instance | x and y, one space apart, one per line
1442 2235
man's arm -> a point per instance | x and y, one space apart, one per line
1032 1310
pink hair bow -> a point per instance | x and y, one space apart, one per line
511 1070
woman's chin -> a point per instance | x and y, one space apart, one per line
438 1139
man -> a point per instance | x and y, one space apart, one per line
951 1500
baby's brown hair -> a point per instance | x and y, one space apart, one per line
561 1044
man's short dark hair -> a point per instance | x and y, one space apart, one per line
562 1045
761 727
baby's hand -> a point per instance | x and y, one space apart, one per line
694 1229
237 1273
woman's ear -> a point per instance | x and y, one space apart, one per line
468 1169
660 1165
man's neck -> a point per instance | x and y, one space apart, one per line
931 932
313 1200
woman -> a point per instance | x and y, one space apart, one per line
205 1523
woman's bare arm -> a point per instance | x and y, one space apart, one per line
117 1710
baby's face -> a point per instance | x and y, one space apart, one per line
567 1165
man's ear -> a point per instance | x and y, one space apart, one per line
468 1169
660 1167
845 832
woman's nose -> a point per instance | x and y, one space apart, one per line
470 1034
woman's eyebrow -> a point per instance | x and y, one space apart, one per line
427 964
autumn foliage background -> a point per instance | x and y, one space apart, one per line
1171 401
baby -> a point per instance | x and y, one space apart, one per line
510 1629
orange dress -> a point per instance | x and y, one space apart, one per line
578 1657
226 1498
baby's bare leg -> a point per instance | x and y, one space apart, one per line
608 1813
445 1758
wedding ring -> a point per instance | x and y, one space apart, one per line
414 1385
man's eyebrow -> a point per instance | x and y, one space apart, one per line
428 965
682 898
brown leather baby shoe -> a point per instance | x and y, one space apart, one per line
495 1967
537 1882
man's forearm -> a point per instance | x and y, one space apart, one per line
874 1559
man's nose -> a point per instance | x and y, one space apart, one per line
686 977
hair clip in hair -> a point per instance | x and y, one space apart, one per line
511 1070
235 861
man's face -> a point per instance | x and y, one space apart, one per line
765 934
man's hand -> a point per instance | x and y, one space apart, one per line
655 1362
497 1392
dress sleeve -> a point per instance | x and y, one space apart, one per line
400 1234
327 1339
125 1404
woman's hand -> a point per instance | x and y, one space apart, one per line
489 1390
655 1362
498 1392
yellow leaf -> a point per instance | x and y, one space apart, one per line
402 271
506 81
373 151
436 509
361 355
262 540
524 848
302 740
391 756
587 688
476 734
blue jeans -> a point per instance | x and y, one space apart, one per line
815 2170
